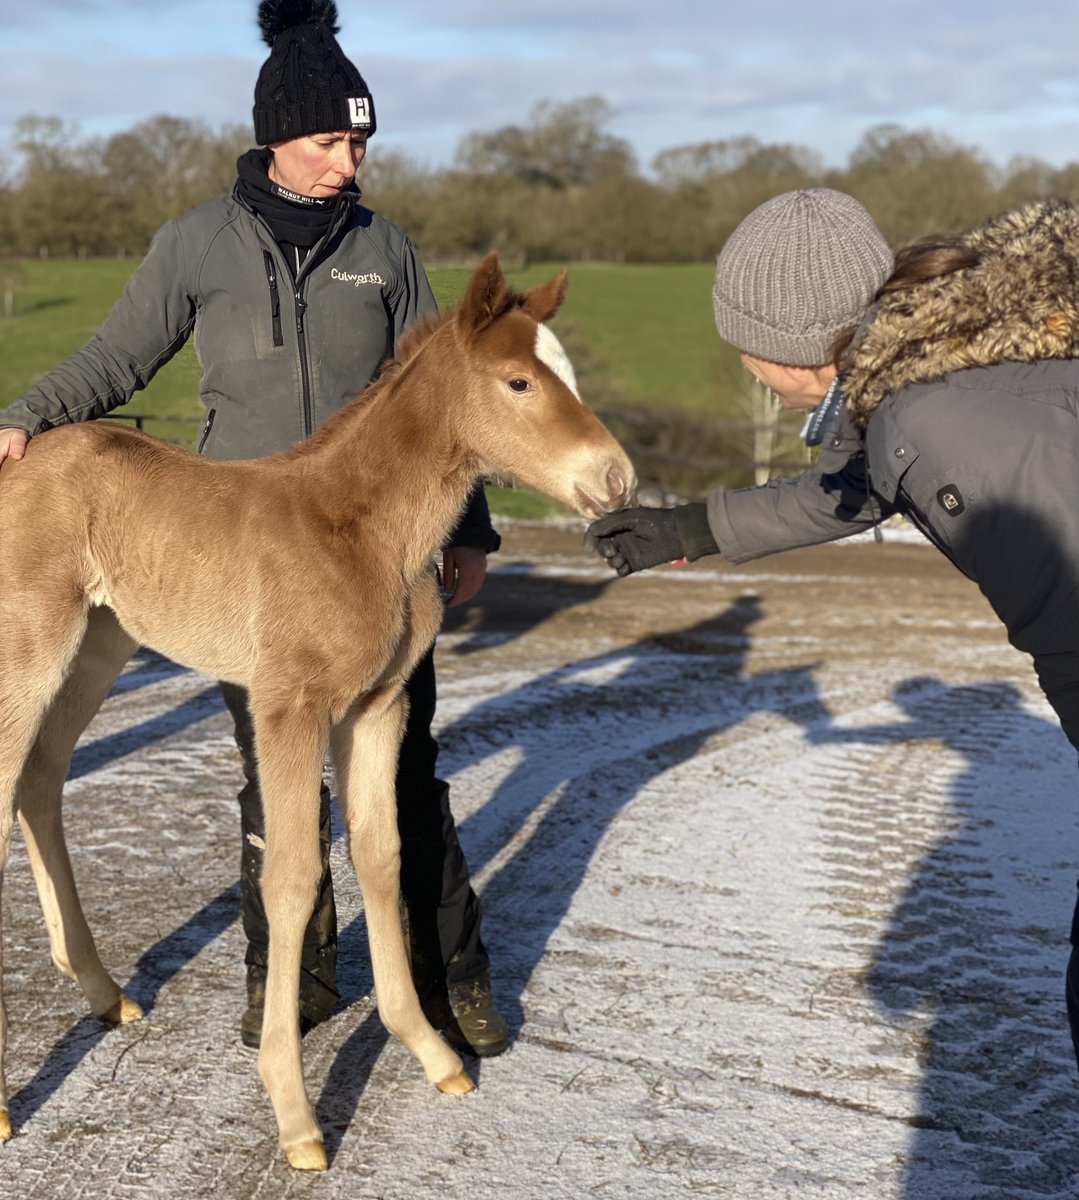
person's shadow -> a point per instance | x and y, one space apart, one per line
969 973
570 779
521 605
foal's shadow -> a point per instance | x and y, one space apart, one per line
711 654
355 1057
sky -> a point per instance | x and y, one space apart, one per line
818 73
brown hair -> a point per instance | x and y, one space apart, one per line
916 262
928 258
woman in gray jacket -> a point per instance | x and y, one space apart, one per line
943 385
295 294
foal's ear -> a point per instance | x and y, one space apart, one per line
541 303
486 298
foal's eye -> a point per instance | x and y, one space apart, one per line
519 385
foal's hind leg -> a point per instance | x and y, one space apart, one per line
365 747
37 642
104 650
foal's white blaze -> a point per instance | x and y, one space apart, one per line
549 351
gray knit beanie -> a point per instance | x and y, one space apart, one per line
796 273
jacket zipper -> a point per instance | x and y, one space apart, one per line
275 299
207 425
301 338
303 269
307 415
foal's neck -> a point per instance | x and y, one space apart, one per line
395 458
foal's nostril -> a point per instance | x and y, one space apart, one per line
619 485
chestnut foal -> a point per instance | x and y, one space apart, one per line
308 577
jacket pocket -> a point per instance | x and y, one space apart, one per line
204 433
275 298
943 499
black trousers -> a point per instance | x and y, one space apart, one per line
1059 676
443 913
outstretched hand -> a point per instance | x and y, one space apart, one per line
635 539
13 443
464 568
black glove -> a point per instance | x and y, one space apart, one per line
637 538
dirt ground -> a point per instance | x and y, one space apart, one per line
777 863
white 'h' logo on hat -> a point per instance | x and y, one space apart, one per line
359 110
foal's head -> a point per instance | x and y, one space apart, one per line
525 415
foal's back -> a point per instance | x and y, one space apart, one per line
214 564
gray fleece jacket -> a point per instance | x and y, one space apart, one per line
962 412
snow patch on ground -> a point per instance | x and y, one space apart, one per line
763 923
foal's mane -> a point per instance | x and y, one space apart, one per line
408 347
410 344
413 340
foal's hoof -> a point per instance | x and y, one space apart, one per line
124 1010
457 1085
5 1126
307 1156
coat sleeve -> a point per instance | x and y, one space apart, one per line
147 326
413 298
416 300
827 502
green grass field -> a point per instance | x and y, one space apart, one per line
640 336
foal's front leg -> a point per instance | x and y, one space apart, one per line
365 746
291 744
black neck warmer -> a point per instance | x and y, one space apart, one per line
294 220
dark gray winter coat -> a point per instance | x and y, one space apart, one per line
963 414
278 357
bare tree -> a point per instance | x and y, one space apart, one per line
1024 179
717 183
8 199
564 144
61 189
916 182
164 166
559 186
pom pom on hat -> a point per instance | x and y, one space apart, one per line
307 85
275 16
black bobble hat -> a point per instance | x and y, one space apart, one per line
307 85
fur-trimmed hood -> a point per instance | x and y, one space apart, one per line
1019 303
